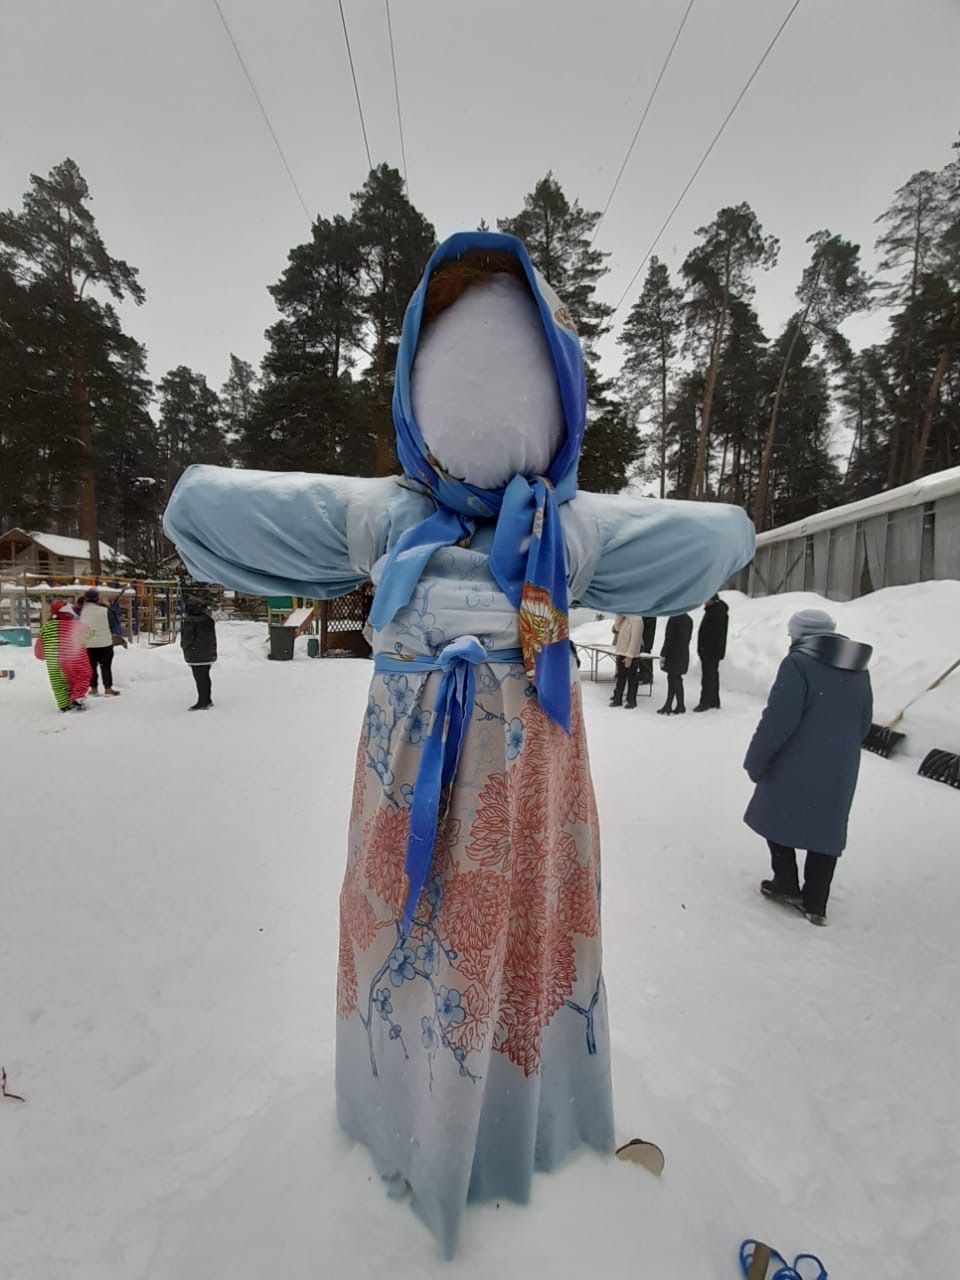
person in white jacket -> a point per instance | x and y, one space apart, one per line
628 642
95 617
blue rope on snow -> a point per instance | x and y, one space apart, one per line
785 1272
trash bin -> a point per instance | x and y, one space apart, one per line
281 643
313 647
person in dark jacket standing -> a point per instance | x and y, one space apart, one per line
649 637
675 661
805 758
198 639
712 649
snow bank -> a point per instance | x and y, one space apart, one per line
914 631
915 634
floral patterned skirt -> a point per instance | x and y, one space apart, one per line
476 1050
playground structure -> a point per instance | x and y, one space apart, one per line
150 609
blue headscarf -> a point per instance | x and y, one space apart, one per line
527 555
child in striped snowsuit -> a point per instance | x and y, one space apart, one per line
60 644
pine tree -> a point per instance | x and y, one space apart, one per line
610 446
320 300
557 235
238 399
718 271
28 390
868 403
831 289
304 410
913 226
739 401
54 242
683 430
804 478
650 339
395 240
191 426
941 294
324 403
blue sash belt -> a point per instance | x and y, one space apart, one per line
441 751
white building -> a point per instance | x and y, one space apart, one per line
909 534
52 554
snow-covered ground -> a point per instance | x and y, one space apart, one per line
167 968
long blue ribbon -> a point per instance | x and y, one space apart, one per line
441 751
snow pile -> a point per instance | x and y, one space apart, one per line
168 954
914 631
914 634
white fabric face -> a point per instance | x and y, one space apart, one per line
484 387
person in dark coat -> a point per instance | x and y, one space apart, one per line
649 638
805 756
675 661
712 649
198 639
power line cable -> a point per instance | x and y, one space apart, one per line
706 154
263 110
646 112
396 92
356 87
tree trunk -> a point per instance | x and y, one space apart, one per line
663 418
858 434
710 383
723 467
933 393
893 455
548 270
697 484
760 497
900 459
88 489
382 456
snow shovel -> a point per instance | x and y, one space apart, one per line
882 740
755 1258
758 1261
941 766
648 1154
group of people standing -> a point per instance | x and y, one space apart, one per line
77 643
634 640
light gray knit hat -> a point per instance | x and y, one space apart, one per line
810 622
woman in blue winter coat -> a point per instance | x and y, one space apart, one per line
805 757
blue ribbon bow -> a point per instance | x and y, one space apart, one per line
441 751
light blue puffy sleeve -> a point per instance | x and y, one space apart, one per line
270 533
649 556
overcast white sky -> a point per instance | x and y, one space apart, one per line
148 98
